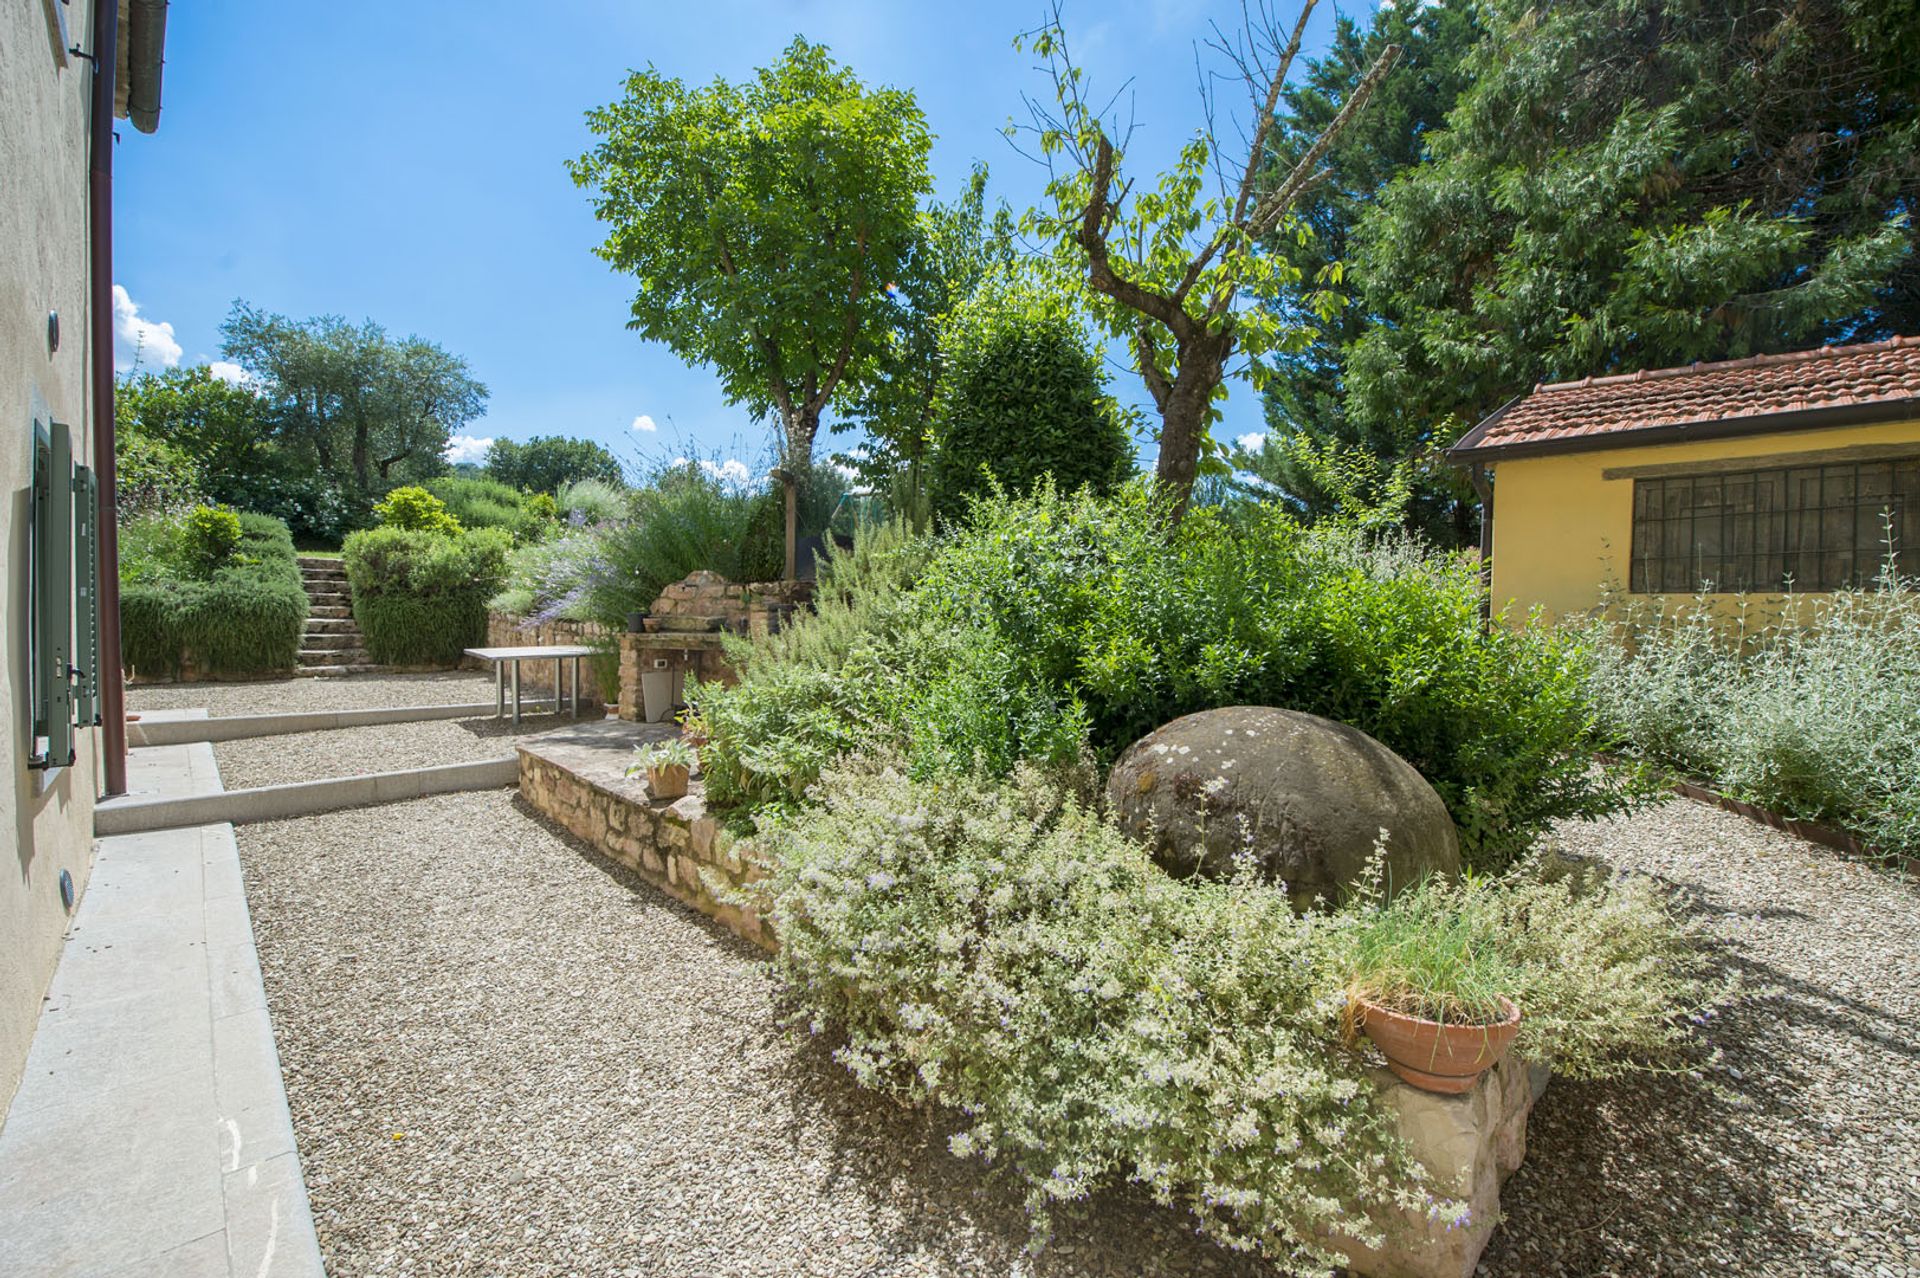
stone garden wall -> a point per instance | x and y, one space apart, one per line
675 846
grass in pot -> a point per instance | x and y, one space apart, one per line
1427 983
668 765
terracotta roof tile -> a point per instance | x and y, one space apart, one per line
1612 411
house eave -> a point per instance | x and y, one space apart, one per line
1469 451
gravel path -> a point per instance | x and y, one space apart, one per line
506 1056
285 696
1800 1155
387 747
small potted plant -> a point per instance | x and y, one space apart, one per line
667 765
1427 984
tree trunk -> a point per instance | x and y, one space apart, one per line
1183 416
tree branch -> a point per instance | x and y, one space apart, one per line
1306 170
1100 273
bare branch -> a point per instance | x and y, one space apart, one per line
1264 122
1307 169
1095 221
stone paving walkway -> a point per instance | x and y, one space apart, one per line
150 1133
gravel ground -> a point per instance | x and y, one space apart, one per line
387 747
286 696
507 1057
1800 1154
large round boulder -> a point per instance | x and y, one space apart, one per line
1305 797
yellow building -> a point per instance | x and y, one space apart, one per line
1750 476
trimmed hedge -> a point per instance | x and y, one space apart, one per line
421 597
243 617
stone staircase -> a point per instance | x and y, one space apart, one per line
332 644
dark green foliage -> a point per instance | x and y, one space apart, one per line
1050 622
241 618
153 478
421 597
1630 184
545 462
1304 397
1022 398
347 401
222 428
318 510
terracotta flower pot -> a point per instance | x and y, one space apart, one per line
1438 1058
669 782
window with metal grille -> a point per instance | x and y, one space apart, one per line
1823 527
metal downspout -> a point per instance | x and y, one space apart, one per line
1477 472
113 713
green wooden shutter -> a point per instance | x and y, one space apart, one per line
86 597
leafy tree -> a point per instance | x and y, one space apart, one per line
764 222
1315 457
359 405
547 462
1638 183
957 248
1179 271
221 428
1022 399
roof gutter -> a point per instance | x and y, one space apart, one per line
113 712
1469 451
146 43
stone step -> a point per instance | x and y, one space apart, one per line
329 612
334 598
320 561
331 656
323 672
311 642
332 626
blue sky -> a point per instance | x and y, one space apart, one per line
405 163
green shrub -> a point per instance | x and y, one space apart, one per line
1815 715
153 478
1021 397
414 510
1046 620
420 598
209 536
477 502
591 501
241 616
997 947
318 509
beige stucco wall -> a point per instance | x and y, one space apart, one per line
48 819
1562 532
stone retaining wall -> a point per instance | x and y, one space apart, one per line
674 845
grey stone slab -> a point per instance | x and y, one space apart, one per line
299 798
110 1179
233 978
204 1257
240 727
95 1044
248 1094
269 1225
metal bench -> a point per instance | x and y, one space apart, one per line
502 658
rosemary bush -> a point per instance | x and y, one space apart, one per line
237 612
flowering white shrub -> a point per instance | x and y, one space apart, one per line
999 947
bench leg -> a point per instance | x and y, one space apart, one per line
516 694
499 689
576 688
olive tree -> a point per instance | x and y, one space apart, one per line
1182 272
764 222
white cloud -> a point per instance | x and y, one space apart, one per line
1253 442
730 471
231 374
138 341
645 423
468 448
